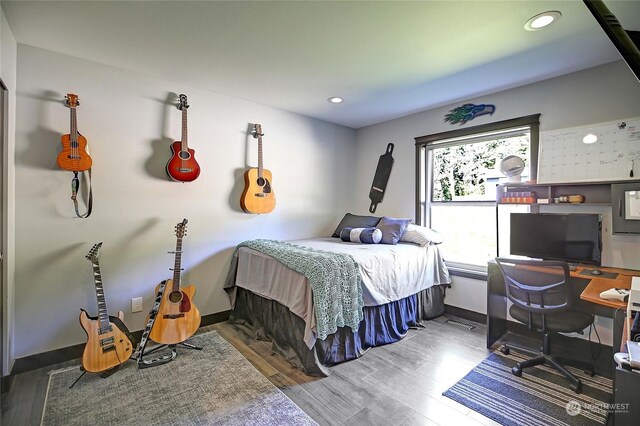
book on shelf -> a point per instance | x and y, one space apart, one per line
518 197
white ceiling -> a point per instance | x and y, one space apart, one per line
386 59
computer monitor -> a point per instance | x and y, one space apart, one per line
572 237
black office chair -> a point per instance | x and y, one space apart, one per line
542 300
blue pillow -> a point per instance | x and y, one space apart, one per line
392 229
361 235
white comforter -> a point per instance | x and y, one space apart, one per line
389 272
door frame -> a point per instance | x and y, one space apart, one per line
4 141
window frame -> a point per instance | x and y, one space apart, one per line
424 172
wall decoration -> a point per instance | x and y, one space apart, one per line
182 166
380 179
74 157
258 196
468 112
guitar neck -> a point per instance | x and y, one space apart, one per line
74 126
103 314
177 266
260 167
185 147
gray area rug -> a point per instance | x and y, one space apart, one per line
541 397
215 386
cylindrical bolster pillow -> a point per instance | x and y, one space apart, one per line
361 235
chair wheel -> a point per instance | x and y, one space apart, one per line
590 371
577 387
505 350
517 371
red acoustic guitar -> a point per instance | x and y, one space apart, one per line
74 157
182 165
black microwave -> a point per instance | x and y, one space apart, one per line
625 203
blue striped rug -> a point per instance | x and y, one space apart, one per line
541 397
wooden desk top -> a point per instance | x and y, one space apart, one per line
598 284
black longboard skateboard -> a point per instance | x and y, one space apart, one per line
380 179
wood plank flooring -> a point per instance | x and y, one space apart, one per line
397 384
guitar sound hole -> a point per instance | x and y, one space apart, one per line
175 296
184 155
261 181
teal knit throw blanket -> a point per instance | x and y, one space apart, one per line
333 277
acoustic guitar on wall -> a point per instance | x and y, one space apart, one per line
178 317
182 166
74 157
258 196
109 342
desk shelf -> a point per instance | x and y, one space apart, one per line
593 193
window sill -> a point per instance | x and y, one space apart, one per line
468 273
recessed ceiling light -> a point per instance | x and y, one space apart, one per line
335 100
590 138
542 20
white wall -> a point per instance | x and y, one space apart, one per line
597 95
8 61
130 124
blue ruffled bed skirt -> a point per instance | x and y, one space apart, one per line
266 319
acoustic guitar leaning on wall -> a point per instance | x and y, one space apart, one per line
178 317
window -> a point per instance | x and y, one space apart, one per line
457 173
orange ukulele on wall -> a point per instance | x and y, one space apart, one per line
258 196
74 157
182 165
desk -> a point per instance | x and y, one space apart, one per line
585 289
599 284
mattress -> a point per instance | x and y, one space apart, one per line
389 273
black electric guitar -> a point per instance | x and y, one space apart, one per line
109 342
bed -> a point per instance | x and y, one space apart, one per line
398 286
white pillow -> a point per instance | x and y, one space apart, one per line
421 235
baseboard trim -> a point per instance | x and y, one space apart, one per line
45 359
5 385
465 314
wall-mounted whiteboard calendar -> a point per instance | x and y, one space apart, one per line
564 157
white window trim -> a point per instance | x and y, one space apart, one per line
424 186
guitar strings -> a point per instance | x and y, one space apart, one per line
184 133
71 125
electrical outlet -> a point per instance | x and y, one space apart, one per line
136 304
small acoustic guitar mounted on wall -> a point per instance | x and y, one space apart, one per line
177 318
258 196
74 157
109 342
182 165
